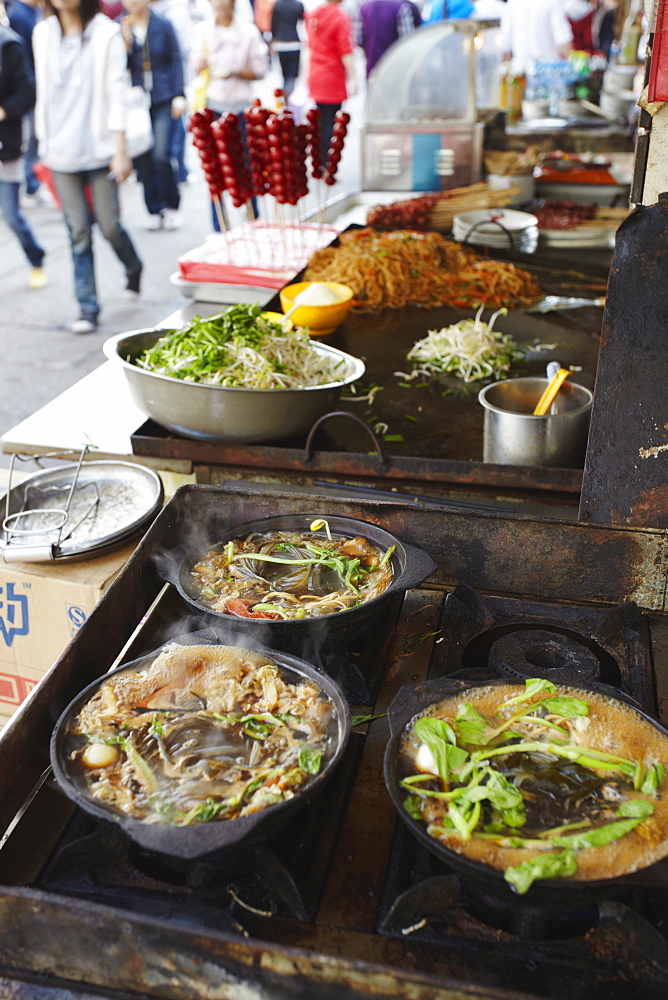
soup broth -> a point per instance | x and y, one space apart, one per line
291 574
545 779
204 733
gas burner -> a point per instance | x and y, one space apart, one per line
488 637
583 947
538 653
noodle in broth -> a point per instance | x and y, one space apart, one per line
291 574
205 733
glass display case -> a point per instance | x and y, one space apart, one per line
425 98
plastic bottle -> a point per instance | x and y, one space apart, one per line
630 37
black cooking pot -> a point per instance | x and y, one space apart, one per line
410 565
202 838
415 699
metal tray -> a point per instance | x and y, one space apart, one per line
111 501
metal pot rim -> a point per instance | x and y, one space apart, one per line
402 711
194 841
569 414
408 554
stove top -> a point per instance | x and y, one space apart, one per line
343 900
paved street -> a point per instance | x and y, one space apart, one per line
42 357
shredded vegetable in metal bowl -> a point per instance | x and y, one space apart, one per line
241 348
470 349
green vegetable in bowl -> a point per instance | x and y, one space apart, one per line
241 348
539 782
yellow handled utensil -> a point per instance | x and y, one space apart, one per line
551 390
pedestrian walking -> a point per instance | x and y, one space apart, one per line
154 58
82 86
331 71
234 54
23 16
535 31
178 13
230 50
17 97
286 18
382 23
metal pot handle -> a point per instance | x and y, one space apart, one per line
384 461
419 566
412 698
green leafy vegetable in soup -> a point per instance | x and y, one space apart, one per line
204 733
292 574
539 782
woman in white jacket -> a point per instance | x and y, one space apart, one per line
82 83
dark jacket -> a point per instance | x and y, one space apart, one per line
162 54
17 92
22 20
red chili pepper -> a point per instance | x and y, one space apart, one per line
241 609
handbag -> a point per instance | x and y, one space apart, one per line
197 91
138 124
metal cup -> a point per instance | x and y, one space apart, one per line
514 436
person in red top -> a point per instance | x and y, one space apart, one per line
331 71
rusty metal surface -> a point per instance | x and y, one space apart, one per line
152 958
339 955
626 469
151 440
434 427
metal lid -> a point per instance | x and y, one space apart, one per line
78 510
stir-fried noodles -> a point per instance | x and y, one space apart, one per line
394 269
291 574
204 733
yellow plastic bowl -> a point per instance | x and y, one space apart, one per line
320 320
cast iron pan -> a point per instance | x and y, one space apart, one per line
201 838
414 699
411 566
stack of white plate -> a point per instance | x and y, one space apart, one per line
503 228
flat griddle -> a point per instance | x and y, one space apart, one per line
429 430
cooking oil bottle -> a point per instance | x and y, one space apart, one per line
512 91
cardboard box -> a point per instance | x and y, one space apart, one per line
42 606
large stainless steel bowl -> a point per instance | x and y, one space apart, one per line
218 413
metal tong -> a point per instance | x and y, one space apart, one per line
53 521
553 302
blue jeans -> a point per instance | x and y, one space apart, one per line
30 156
178 150
154 168
79 217
17 222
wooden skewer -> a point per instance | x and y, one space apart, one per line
220 214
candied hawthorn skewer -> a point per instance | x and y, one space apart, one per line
200 125
339 132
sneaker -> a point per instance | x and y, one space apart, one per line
131 293
87 323
28 200
38 278
154 222
171 219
